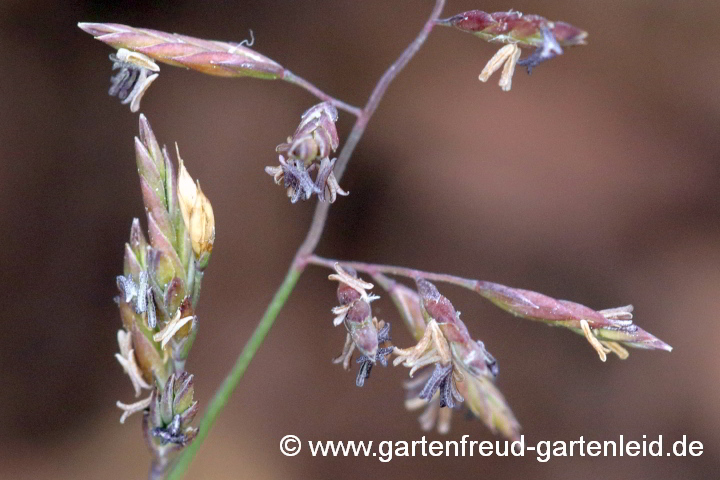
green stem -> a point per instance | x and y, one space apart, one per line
223 394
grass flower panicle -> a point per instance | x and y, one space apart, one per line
163 271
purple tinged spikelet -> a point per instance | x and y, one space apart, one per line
171 413
316 137
514 27
309 149
467 352
366 362
207 56
607 325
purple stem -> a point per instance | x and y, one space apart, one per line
321 211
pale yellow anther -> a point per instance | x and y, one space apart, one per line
617 349
413 353
508 71
346 356
432 348
124 340
355 283
277 174
137 59
126 358
332 188
619 313
140 88
173 326
340 312
594 342
145 65
507 58
129 409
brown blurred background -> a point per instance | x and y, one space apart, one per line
597 180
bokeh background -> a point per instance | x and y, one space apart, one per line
597 180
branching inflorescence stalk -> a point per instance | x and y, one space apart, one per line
307 248
452 367
290 77
610 327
